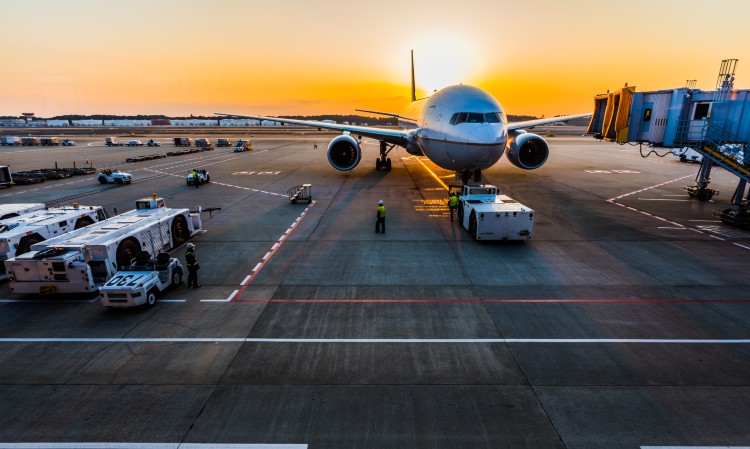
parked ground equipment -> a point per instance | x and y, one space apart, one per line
108 176
142 281
199 177
489 215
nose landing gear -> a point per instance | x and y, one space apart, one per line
464 176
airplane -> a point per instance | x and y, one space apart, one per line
460 128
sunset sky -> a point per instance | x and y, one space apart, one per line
273 57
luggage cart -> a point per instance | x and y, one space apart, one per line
300 193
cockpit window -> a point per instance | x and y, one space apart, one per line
477 117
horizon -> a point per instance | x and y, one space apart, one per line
288 58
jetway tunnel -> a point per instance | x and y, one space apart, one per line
715 124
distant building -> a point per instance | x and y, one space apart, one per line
239 122
127 122
194 122
86 122
56 123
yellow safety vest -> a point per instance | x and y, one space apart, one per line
381 211
453 201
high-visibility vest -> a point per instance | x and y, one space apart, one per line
381 211
453 201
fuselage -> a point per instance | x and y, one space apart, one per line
458 128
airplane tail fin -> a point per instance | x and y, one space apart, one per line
413 85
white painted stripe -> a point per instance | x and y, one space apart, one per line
266 256
275 245
247 278
741 246
377 340
695 447
257 266
229 298
171 300
661 199
52 445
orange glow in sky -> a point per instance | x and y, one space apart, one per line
172 57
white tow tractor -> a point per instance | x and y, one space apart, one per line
83 260
142 281
489 215
108 176
18 234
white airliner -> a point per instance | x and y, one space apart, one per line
460 128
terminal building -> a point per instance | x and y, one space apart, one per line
715 124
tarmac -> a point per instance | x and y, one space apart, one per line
623 323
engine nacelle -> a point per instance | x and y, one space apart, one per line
344 153
527 151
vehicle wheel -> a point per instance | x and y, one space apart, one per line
388 164
126 251
377 164
683 158
118 181
83 222
176 277
208 178
151 298
180 232
24 245
473 225
102 180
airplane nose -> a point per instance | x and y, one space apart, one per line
485 134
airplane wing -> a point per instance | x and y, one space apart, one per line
394 136
543 121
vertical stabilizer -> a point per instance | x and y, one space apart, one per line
413 85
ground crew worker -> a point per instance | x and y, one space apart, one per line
381 217
196 181
315 145
452 203
192 265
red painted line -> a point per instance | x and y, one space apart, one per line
268 257
551 301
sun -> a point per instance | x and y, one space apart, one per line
443 60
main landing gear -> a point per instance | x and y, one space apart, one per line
384 161
466 175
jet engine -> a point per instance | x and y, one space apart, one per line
344 153
526 150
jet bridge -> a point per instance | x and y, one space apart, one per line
716 124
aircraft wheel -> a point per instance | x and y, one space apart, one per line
388 164
377 164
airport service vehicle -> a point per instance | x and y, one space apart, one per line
112 142
488 215
83 260
202 142
153 143
18 234
108 176
134 143
243 145
222 142
49 141
459 128
14 210
29 141
142 281
687 154
68 143
203 177
10 140
183 141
